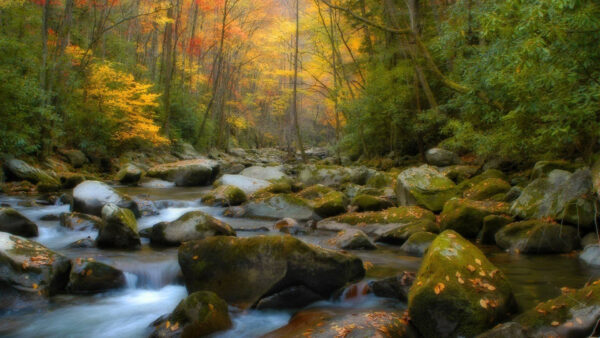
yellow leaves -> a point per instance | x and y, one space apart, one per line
483 303
439 288
471 268
367 265
478 261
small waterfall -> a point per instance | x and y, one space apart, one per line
154 275
355 292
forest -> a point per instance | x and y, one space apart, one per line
299 168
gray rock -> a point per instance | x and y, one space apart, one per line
441 157
119 229
129 174
191 226
591 255
353 239
418 243
13 222
537 237
90 197
424 186
79 221
88 276
199 172
264 173
394 287
279 206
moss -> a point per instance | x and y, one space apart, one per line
371 203
400 234
379 180
314 192
331 204
391 215
490 173
487 188
466 216
542 168
458 291
426 187
201 313
227 195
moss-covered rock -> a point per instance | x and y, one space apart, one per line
487 188
397 234
418 243
279 206
199 314
424 186
315 192
459 173
225 195
244 270
89 276
79 221
491 225
543 168
191 226
458 291
248 185
119 229
537 237
13 222
380 180
396 287
590 239
331 204
466 216
353 239
333 175
392 215
70 180
129 174
89 197
199 172
365 202
17 170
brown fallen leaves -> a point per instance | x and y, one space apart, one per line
439 288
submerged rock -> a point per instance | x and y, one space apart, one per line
118 230
245 270
79 221
537 237
424 186
13 222
193 225
90 197
199 172
353 239
279 206
458 291
418 243
88 276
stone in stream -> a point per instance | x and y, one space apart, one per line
295 297
279 206
591 255
264 173
198 172
458 291
334 175
353 239
590 239
84 243
245 270
364 202
289 226
374 221
118 230
537 237
424 186
331 204
225 195
199 314
418 243
13 222
88 276
441 157
129 174
466 216
90 197
396 287
491 225
80 222
247 184
191 226
398 234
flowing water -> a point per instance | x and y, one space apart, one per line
155 286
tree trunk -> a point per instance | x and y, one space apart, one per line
295 90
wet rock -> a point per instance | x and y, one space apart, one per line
264 173
543 168
199 172
199 314
441 157
235 212
65 199
591 254
88 276
49 218
156 184
491 225
248 185
129 174
466 216
84 243
398 234
295 297
418 243
487 189
225 195
279 206
289 226
510 329
13 222
245 270
394 287
191 226
353 239
365 202
424 186
90 197
79 221
331 204
458 292
537 237
119 229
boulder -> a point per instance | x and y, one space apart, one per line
441 157
537 237
79 221
75 157
199 172
491 225
373 221
245 270
418 243
333 175
459 173
17 170
543 168
248 185
199 314
315 192
90 197
561 196
88 276
225 195
487 189
84 243
70 180
590 239
331 204
294 297
191 226
264 173
365 202
30 267
353 239
13 222
119 229
466 216
279 206
398 234
458 291
396 287
379 180
424 186
129 174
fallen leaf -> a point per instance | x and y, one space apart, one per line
35 286
439 287
483 303
471 268
478 261
555 323
175 327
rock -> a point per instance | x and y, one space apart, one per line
235 212
13 222
374 221
79 221
537 236
264 173
574 314
89 276
441 157
225 195
379 180
486 189
30 267
365 202
418 243
590 239
239 152
491 225
191 226
199 314
245 270
295 297
199 172
119 229
90 197
543 168
333 175
400 233
591 254
458 292
248 185
49 217
353 239
459 173
129 174
315 192
331 204
509 329
513 194
75 157
279 206
331 322
561 196
425 187
187 152
466 216
394 287
289 226
70 180
156 184
84 243
17 170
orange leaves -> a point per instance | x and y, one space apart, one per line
439 288
471 268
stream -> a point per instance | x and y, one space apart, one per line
154 285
